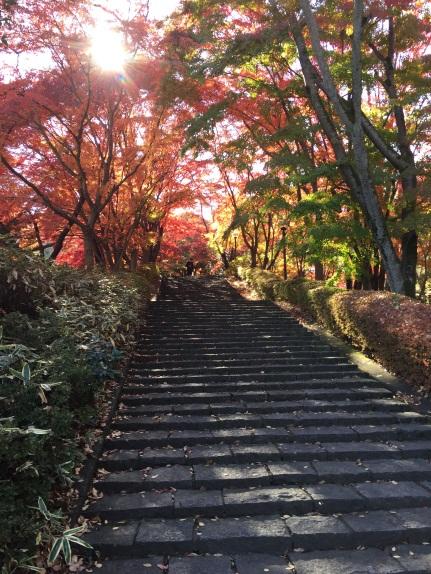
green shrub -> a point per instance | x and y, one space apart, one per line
263 282
64 333
393 329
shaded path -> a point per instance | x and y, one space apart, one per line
245 437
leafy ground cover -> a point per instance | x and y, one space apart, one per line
64 333
392 328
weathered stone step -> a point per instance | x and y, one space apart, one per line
263 534
125 459
228 349
247 436
303 419
213 335
244 308
187 309
228 359
222 323
322 498
252 366
193 564
225 341
294 374
148 386
188 335
219 476
276 358
240 407
403 559
323 393
144 439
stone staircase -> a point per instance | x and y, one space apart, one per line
245 444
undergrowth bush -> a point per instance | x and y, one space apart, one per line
62 335
392 328
263 282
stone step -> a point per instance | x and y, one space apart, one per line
154 439
365 392
240 407
231 342
228 333
244 444
235 363
286 420
263 534
129 459
225 349
225 325
200 368
148 386
323 498
215 359
213 336
294 374
247 475
402 559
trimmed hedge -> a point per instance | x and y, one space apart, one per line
394 329
263 282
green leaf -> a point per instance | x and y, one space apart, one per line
67 551
80 542
26 373
34 430
55 550
43 508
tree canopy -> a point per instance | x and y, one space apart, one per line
251 117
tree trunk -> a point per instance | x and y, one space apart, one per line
134 260
319 271
253 257
382 278
89 251
356 173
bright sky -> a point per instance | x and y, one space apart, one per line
159 9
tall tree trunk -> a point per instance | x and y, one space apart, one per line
319 271
356 173
409 239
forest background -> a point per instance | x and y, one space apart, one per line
231 129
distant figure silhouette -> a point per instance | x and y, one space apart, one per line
190 268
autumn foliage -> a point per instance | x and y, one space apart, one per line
91 163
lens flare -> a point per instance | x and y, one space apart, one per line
108 49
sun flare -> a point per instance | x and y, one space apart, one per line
108 49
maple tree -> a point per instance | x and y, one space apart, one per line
94 152
284 56
298 116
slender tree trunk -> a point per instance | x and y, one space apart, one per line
134 260
319 271
409 240
89 250
253 256
356 174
